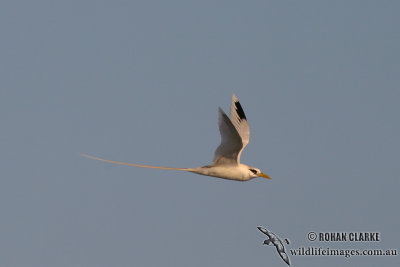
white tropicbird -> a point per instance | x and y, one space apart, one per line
235 135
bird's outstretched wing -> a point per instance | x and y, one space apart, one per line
239 120
266 232
234 135
285 257
135 165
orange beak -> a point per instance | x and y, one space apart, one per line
263 175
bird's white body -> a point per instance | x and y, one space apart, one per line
236 172
235 135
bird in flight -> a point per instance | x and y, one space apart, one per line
274 240
235 135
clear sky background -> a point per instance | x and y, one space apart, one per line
140 81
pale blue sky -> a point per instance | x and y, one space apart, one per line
140 81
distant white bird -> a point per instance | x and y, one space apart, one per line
235 135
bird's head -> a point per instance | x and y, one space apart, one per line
254 172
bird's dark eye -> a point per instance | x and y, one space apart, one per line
253 171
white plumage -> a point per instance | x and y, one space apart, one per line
235 135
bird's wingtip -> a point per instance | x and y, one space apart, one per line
262 229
